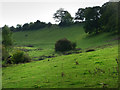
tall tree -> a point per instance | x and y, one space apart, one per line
12 28
38 25
18 27
6 42
25 26
6 37
92 16
63 17
109 17
80 14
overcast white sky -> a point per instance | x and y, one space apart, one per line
20 12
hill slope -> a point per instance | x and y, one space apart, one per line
94 69
47 37
82 70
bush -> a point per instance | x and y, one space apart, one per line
74 45
64 45
6 58
5 53
20 57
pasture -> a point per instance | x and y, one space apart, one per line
96 69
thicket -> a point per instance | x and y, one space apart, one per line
64 45
99 19
7 47
20 57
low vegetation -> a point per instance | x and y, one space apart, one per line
20 57
64 45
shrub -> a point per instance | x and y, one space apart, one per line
6 58
64 45
74 45
5 53
20 57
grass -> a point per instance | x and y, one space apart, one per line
47 37
94 68
82 70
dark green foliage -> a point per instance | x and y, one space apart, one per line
17 57
49 24
89 27
74 45
12 28
18 27
6 58
6 43
109 17
63 17
38 25
6 37
96 19
99 19
33 26
20 57
5 53
30 26
25 26
80 15
64 24
7 61
64 45
92 17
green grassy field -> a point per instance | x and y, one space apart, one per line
94 69
47 37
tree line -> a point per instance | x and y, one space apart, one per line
96 19
30 26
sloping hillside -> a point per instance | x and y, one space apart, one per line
94 69
47 37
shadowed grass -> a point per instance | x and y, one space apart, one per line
47 37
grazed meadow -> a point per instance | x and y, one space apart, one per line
96 69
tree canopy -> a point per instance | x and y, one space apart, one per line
6 37
30 26
96 19
63 17
99 19
109 17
